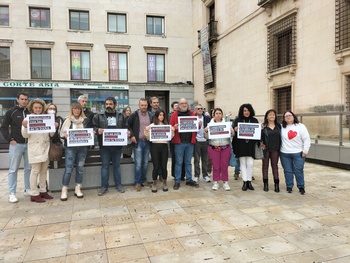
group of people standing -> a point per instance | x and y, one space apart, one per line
290 142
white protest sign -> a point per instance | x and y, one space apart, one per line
80 137
115 137
251 131
219 130
41 123
160 133
188 124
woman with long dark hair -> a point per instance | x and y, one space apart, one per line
271 138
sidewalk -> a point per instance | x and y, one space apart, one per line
188 225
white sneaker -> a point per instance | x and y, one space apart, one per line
13 198
195 179
215 186
226 186
207 179
27 193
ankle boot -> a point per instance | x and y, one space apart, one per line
266 185
244 187
37 198
249 185
64 193
277 185
45 195
154 187
78 192
165 186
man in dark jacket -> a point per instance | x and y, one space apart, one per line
110 119
11 130
137 123
82 99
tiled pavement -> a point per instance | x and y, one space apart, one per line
188 225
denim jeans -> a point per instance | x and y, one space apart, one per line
201 153
293 164
77 156
183 153
107 154
16 152
141 158
238 166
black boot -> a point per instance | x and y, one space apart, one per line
249 185
277 185
244 187
266 185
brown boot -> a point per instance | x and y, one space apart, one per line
45 195
37 198
154 187
165 186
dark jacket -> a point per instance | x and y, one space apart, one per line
265 136
100 121
134 124
89 116
243 147
12 124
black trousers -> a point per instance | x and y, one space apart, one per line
159 152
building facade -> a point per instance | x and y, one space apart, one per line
129 49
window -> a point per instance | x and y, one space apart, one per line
342 24
155 25
118 68
40 63
282 43
156 66
283 99
116 23
80 65
39 17
79 20
4 15
5 62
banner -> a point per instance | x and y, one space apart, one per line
41 123
219 130
113 66
80 137
251 131
207 72
76 65
188 124
160 133
115 137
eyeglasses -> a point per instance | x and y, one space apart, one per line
199 108
287 116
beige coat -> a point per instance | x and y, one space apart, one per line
38 146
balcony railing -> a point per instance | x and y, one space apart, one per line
118 74
156 75
81 74
5 71
213 30
41 73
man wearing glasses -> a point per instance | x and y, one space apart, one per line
201 146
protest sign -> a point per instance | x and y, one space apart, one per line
115 137
188 124
251 131
41 123
160 133
80 137
219 130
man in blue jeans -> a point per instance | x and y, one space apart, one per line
137 123
110 119
184 145
11 130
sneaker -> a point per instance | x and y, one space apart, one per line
226 186
207 179
138 187
13 198
192 183
120 188
195 179
27 193
102 191
215 186
236 175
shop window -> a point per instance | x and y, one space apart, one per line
155 25
116 23
78 20
4 15
80 65
156 68
39 17
40 63
5 69
118 68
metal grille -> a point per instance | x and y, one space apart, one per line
342 24
282 100
281 42
347 94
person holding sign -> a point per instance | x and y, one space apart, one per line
73 155
38 149
184 140
244 148
219 148
110 119
159 149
